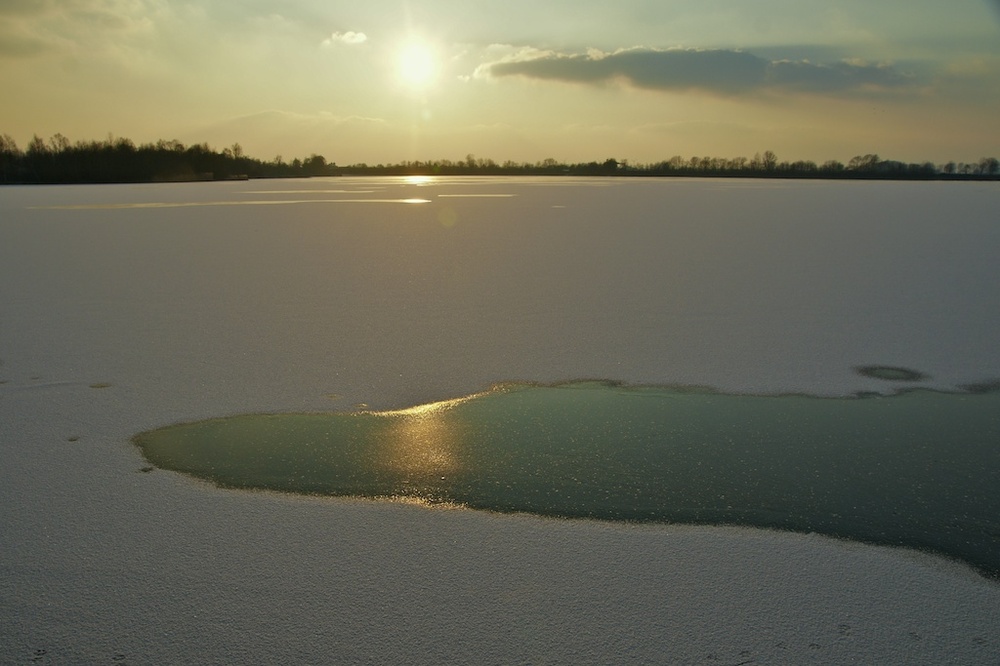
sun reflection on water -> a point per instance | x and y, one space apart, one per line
422 446
423 442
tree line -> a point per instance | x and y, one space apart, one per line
762 165
117 160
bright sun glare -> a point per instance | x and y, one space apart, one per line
417 65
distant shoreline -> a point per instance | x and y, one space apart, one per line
120 160
739 175
347 172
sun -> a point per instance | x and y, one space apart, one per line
417 65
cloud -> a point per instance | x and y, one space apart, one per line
275 127
17 43
350 38
24 7
721 71
279 118
340 138
72 27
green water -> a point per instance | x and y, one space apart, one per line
918 469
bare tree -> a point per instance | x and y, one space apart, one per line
989 166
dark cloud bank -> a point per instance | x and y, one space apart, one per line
720 71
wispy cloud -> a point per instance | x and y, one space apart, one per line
722 71
349 38
279 118
17 42
78 28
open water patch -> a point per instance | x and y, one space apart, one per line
919 469
891 373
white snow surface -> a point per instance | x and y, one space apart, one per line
118 316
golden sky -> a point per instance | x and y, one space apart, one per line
524 80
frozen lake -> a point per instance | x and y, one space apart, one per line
743 286
126 308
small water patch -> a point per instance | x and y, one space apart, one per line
891 373
919 469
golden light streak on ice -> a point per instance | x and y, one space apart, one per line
194 204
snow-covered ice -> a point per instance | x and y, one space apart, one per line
118 316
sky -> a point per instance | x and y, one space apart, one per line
574 80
